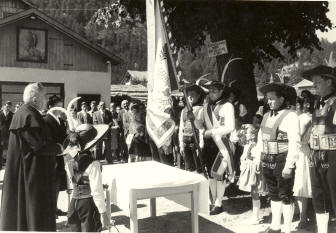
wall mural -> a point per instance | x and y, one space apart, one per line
32 45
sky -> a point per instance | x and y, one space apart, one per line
331 34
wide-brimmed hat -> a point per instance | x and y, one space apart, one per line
86 135
321 70
280 87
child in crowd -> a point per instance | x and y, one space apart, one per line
250 178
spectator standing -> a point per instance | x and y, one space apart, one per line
28 195
137 138
103 116
115 131
124 119
17 106
6 116
83 116
93 107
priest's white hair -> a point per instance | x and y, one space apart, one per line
31 90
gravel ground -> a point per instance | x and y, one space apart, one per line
174 218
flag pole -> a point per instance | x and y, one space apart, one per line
189 107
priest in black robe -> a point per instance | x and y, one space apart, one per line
29 183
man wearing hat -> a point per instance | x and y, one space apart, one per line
278 149
6 116
87 205
220 122
195 95
322 142
83 116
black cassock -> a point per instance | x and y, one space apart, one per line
28 195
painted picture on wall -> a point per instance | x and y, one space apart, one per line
32 45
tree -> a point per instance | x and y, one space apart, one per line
250 29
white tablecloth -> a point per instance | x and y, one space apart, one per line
145 175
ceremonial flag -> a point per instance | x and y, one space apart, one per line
161 77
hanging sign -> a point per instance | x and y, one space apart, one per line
217 48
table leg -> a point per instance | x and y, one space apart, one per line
133 213
153 207
194 210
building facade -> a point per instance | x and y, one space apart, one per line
36 48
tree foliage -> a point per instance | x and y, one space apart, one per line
251 28
128 40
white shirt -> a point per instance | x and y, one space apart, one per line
93 171
290 125
227 120
199 124
96 185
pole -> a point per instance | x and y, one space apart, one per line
184 91
189 108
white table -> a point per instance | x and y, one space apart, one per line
147 180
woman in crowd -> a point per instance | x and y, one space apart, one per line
302 184
137 138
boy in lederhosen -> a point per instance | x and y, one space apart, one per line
87 211
323 144
188 149
278 149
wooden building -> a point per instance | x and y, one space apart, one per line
36 48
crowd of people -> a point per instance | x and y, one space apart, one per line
285 150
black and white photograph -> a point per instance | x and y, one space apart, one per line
168 116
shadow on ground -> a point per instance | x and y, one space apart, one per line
236 205
175 222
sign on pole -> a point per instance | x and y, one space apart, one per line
217 48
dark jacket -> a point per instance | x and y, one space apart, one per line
5 122
28 194
84 119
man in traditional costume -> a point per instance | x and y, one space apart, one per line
278 149
323 144
220 122
28 195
